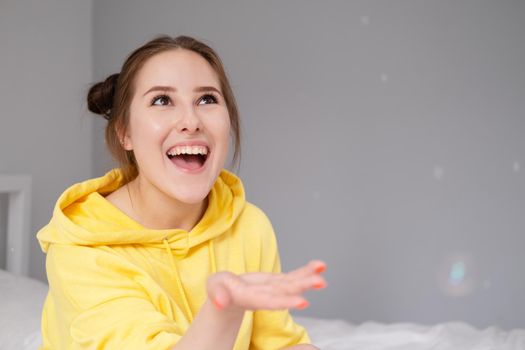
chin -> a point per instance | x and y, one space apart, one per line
189 196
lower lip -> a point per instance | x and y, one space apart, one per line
192 171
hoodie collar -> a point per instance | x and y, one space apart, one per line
82 216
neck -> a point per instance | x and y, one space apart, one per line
155 210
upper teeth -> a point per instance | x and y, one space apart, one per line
188 150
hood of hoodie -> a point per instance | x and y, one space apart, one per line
74 223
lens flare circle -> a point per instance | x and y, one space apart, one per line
457 275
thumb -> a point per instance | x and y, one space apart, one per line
217 291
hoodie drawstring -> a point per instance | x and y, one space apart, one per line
187 309
211 252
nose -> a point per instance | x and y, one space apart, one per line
188 121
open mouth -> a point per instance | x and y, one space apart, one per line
188 157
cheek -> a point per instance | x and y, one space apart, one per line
220 126
146 130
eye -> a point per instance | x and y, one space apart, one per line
161 100
208 98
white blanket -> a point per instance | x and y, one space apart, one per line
21 301
338 335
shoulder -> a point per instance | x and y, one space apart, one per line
254 222
254 215
255 232
70 262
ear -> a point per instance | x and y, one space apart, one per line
126 143
124 138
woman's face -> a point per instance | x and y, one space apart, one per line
179 125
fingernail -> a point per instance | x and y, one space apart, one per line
320 268
302 305
319 285
218 304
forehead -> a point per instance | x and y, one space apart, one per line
180 68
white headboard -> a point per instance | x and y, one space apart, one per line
18 189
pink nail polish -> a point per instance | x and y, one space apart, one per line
303 305
319 285
218 305
320 268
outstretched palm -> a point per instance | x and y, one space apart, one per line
266 291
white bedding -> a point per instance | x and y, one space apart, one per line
21 301
337 335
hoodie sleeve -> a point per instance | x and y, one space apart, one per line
273 330
97 300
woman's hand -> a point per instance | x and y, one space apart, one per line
233 294
266 291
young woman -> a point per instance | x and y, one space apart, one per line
164 252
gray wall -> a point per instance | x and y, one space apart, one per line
385 137
44 129
3 229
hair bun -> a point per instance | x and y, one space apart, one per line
100 96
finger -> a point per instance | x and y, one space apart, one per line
319 266
290 287
220 297
304 279
313 267
299 285
262 278
218 289
259 299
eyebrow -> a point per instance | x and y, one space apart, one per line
172 89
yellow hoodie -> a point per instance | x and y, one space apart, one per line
114 284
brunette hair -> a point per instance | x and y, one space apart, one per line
112 97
